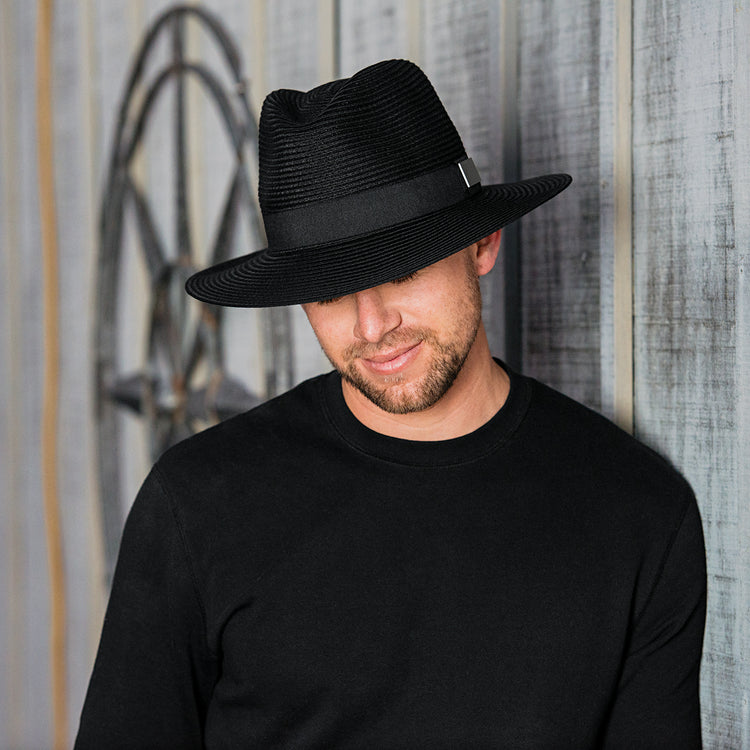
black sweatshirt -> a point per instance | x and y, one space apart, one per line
292 579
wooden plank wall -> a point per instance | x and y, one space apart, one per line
25 584
460 41
690 324
559 126
737 548
689 77
75 195
534 87
10 375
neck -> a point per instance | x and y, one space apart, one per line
476 395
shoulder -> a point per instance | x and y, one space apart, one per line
609 492
609 465
236 492
239 466
263 431
579 432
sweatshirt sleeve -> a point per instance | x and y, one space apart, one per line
657 703
153 674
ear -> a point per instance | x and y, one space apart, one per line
486 252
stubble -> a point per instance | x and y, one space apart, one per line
447 357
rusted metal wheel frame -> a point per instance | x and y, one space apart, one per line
164 392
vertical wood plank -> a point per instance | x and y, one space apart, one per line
293 60
559 126
34 721
328 62
608 97
12 456
414 25
460 39
741 198
256 39
685 127
372 30
92 522
622 292
49 269
615 212
457 42
505 282
74 146
292 56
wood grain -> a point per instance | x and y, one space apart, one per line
372 30
76 198
686 321
459 43
32 725
559 126
293 61
741 284
13 459
50 268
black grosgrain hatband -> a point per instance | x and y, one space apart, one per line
372 209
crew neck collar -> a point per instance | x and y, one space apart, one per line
466 448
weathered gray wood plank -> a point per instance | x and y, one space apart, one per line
741 199
505 161
295 59
459 43
607 177
559 127
687 314
372 30
12 456
33 722
76 217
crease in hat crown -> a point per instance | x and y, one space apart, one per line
383 125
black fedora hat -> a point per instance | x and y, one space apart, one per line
362 181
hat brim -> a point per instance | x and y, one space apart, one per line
270 278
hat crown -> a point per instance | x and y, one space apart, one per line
383 125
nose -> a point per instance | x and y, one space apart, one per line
375 317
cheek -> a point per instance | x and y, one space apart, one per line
329 329
441 308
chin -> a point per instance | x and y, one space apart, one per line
402 396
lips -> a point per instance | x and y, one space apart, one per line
393 361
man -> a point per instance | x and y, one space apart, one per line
421 549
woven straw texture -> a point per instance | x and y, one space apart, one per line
352 135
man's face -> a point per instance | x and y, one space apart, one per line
402 344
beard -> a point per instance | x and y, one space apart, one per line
397 395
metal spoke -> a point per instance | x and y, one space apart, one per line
153 249
205 344
128 391
235 129
165 334
225 232
184 244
